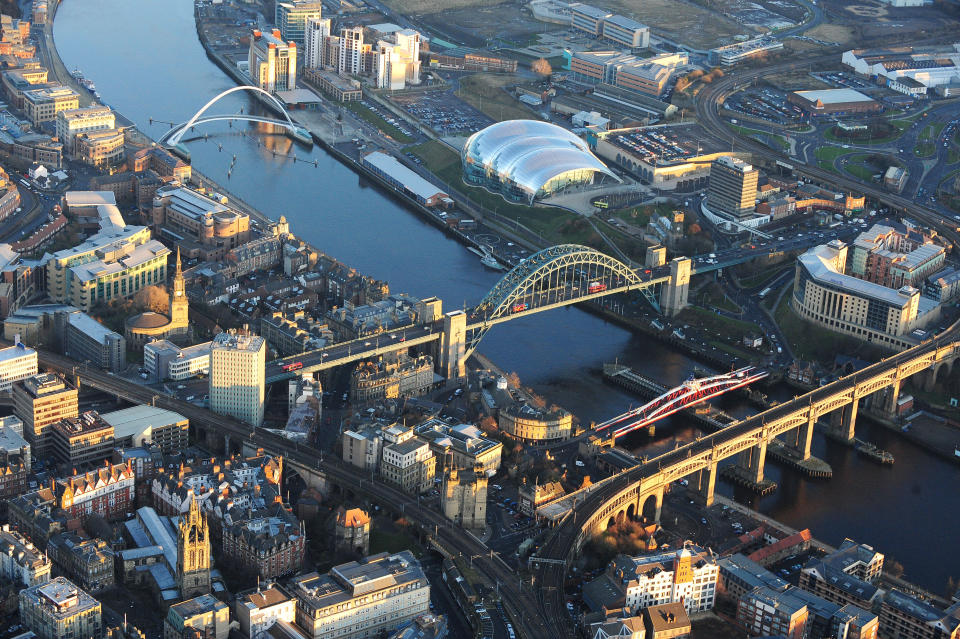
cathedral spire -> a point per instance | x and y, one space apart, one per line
179 272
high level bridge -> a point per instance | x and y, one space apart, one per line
554 277
639 491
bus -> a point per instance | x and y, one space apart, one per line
519 307
764 293
596 287
293 366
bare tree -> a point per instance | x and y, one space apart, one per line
541 67
153 298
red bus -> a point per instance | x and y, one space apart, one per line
294 366
596 287
517 308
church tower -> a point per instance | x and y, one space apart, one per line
193 553
179 306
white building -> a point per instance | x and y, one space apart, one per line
20 561
316 32
362 598
273 62
259 610
908 69
73 122
688 575
410 465
165 360
16 362
351 50
237 383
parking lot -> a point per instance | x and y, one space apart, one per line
443 112
401 125
766 104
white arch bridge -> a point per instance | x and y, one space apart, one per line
175 134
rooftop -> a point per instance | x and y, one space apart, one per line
237 342
665 145
136 419
833 96
410 180
91 327
59 597
819 263
197 606
16 352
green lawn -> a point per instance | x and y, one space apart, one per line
925 149
717 324
765 137
712 295
932 131
809 341
953 155
764 276
385 541
860 171
827 155
376 120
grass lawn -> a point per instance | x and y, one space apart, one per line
860 171
764 276
827 155
485 92
444 162
771 138
392 541
953 155
932 131
712 295
717 324
809 341
925 149
376 120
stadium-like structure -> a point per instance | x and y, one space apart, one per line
528 159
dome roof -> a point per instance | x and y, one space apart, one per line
529 153
149 319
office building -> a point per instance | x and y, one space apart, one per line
943 286
59 609
273 62
20 561
203 616
895 258
43 105
73 122
688 575
162 162
144 425
733 188
40 401
292 17
351 51
525 422
199 223
627 32
638 76
316 32
17 362
903 616
824 294
362 598
588 19
462 445
666 621
165 360
87 562
82 440
87 340
351 532
463 497
258 610
402 376
101 149
237 368
15 458
739 51
410 465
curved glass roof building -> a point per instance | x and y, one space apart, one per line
528 159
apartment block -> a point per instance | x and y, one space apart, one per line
20 561
237 369
59 609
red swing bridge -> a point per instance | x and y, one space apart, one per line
687 394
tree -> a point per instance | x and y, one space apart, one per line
541 67
695 229
153 298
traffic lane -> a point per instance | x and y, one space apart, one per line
442 599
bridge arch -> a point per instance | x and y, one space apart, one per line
648 511
549 269
174 138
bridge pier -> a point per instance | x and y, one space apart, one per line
805 435
674 296
843 421
893 396
453 345
753 460
704 484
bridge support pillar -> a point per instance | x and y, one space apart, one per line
676 290
843 421
805 435
453 345
706 481
893 396
753 459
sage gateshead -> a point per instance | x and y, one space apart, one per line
526 159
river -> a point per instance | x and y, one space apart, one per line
147 62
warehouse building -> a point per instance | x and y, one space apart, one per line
834 102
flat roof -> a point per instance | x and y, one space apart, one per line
625 23
833 96
818 263
134 420
15 352
589 10
90 327
410 180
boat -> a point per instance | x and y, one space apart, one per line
876 454
77 73
491 262
476 251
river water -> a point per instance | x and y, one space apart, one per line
147 62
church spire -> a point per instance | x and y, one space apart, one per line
179 272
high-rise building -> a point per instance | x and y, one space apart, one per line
193 553
40 401
273 62
733 187
316 32
16 362
408 41
72 122
60 609
351 50
291 18
237 383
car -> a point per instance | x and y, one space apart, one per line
703 520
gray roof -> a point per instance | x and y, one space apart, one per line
816 261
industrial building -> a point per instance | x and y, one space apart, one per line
834 102
910 70
405 180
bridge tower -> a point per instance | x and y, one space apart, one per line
753 459
676 291
453 345
704 482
